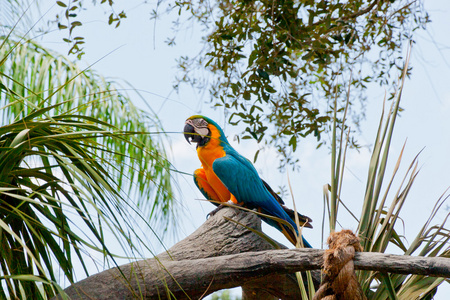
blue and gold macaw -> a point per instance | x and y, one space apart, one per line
227 176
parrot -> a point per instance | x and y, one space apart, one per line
226 176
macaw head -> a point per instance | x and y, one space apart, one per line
201 130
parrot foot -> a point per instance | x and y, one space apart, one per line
213 212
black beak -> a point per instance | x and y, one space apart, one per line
190 135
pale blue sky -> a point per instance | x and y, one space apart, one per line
136 52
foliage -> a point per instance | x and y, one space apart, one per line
17 14
68 20
282 62
71 146
377 224
276 65
46 79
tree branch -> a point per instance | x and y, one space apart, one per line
217 256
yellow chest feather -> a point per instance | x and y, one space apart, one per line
207 155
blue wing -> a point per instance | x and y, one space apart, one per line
242 180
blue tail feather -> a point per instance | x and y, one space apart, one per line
277 225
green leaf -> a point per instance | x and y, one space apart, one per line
293 142
19 138
74 151
256 156
60 3
263 74
386 279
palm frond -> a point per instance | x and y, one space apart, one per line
48 80
73 150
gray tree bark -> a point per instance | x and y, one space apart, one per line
199 265
222 254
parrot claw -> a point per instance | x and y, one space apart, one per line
214 211
229 203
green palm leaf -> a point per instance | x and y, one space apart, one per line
54 86
71 146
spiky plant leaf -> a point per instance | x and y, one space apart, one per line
381 212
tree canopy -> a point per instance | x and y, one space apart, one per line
280 66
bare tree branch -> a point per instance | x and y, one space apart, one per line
221 254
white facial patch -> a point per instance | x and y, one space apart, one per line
200 126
